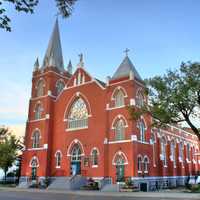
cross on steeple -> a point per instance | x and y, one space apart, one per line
126 51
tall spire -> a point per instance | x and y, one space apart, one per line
53 55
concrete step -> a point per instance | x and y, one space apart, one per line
111 188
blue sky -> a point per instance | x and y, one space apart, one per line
160 34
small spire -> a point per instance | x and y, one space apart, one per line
36 65
69 67
81 63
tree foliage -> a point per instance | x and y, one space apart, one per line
174 97
9 149
65 8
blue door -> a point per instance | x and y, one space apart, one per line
76 168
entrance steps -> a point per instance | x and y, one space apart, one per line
67 183
111 188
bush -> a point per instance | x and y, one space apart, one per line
195 188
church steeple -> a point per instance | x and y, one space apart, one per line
126 68
53 55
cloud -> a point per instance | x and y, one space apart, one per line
13 103
18 129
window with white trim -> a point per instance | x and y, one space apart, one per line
58 158
76 153
94 157
59 86
78 115
163 151
139 101
146 164
153 141
40 88
173 152
120 130
188 153
119 98
139 163
142 129
36 139
38 111
181 147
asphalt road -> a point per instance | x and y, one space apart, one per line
21 195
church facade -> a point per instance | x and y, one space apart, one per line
79 125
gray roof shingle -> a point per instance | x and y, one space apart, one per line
53 55
124 70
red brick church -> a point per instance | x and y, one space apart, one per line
79 127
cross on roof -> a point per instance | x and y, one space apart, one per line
126 51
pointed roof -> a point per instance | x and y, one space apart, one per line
69 67
36 65
124 70
53 55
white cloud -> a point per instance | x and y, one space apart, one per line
13 102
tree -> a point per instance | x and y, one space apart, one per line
9 149
65 8
174 97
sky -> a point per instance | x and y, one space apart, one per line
160 35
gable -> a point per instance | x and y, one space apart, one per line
79 77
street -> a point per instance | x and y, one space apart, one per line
44 195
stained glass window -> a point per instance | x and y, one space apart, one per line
119 130
38 111
142 130
139 163
94 157
78 115
40 88
146 161
36 139
139 99
119 160
58 159
76 153
59 86
119 98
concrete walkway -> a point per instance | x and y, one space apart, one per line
165 194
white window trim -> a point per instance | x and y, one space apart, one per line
75 129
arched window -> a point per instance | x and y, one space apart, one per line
142 129
94 157
59 86
36 139
119 98
78 115
34 164
173 151
76 153
139 162
40 88
153 141
139 99
146 164
181 147
163 151
58 159
119 130
38 111
188 152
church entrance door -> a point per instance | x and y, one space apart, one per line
76 160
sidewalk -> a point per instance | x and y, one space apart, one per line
166 195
